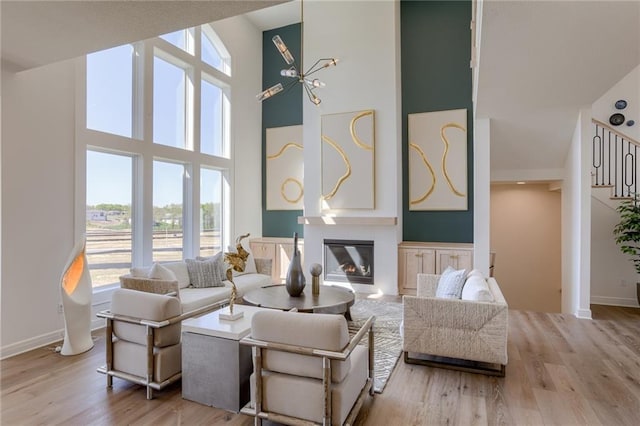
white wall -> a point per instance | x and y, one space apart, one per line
367 77
613 277
244 42
38 146
38 109
576 221
481 195
628 89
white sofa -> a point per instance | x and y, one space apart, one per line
199 299
456 329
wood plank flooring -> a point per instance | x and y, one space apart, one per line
561 371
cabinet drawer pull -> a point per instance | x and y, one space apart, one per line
418 254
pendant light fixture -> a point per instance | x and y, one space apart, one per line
295 71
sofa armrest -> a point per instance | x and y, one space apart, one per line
263 266
150 285
427 285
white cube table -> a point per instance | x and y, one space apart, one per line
215 367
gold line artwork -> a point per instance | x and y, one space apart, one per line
352 129
297 182
283 149
433 175
446 151
346 162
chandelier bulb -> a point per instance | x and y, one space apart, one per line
291 72
270 92
283 49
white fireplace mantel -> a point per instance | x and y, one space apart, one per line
348 220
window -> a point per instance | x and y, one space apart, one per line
108 220
110 90
169 104
177 38
214 52
211 121
167 211
210 211
142 203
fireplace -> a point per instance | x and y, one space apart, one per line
348 261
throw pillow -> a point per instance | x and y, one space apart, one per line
180 270
204 273
450 283
218 258
140 271
159 272
476 289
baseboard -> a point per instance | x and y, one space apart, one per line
614 301
53 338
583 314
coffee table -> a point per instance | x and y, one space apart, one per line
215 367
331 300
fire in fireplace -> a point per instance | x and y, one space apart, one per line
348 261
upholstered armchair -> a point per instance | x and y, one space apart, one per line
143 339
307 370
467 335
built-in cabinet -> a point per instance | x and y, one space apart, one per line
279 250
429 258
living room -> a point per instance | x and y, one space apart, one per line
42 166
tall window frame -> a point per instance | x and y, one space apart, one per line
143 151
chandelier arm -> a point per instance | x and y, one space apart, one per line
313 69
288 86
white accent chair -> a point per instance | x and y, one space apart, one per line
306 368
143 339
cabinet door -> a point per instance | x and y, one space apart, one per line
413 262
457 259
284 255
265 250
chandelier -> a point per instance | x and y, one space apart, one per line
295 71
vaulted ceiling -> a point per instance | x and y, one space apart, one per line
539 61
36 33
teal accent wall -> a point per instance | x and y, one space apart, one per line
283 109
436 50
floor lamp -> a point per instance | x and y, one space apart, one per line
76 293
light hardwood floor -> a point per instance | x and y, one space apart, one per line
561 371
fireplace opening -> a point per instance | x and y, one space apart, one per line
348 261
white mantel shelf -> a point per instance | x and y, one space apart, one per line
348 220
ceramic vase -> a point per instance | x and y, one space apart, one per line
295 280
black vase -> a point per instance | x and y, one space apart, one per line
295 280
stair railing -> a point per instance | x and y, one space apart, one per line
615 158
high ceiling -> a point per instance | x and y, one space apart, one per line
36 33
540 62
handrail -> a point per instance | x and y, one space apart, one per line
614 131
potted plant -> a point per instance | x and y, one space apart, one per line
627 233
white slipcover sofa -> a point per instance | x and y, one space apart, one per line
456 329
200 299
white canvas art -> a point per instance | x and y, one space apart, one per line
438 160
285 168
348 160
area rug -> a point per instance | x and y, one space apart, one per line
387 341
